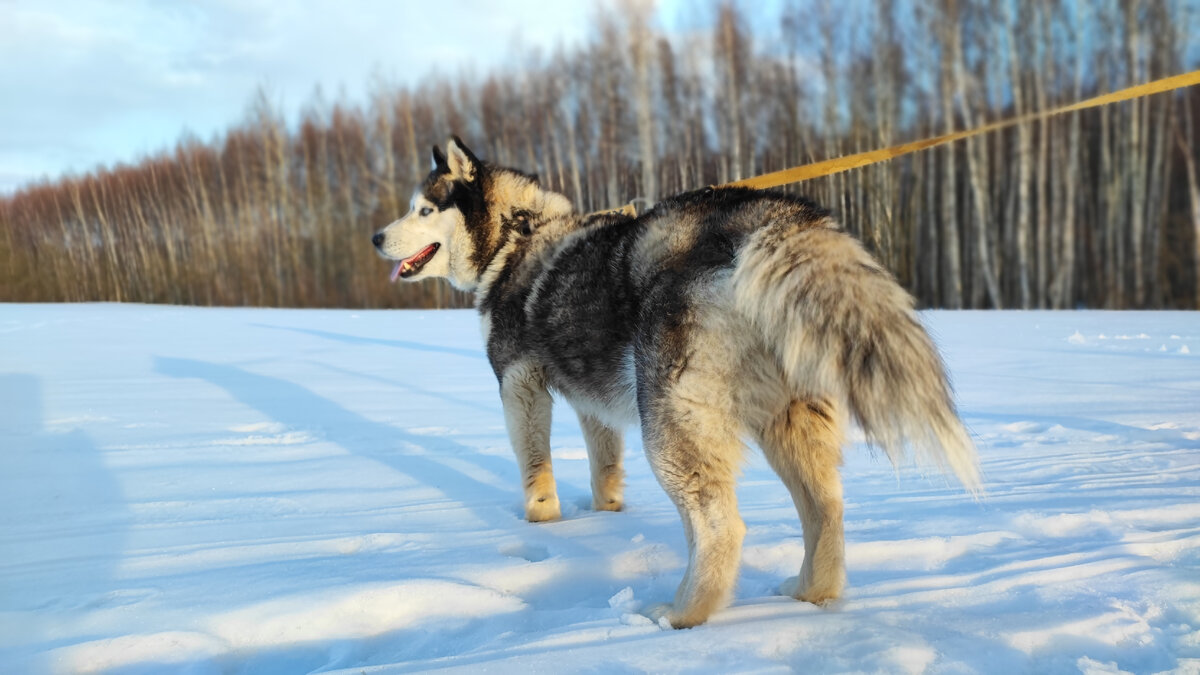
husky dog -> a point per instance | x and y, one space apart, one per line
719 315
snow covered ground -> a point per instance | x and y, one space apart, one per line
259 491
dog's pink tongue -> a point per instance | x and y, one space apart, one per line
411 261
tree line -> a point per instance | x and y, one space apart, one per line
1098 208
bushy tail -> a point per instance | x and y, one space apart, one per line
840 324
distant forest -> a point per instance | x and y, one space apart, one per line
1095 209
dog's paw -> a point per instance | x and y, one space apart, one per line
667 617
821 597
541 510
824 599
607 503
661 614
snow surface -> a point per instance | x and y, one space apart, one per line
245 490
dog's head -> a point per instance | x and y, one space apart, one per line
462 216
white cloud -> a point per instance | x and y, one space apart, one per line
88 83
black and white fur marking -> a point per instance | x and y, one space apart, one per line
719 316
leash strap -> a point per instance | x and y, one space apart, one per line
829 167
840 164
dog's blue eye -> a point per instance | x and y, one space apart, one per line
426 211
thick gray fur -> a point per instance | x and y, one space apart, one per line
719 316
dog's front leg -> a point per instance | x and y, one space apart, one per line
527 406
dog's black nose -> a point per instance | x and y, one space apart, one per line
377 239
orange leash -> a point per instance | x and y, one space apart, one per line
829 167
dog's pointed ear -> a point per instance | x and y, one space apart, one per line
463 163
439 161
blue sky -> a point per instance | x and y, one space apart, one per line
85 83
95 82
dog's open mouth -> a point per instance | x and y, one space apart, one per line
413 264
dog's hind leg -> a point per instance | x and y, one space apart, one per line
803 443
527 405
606 451
694 451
